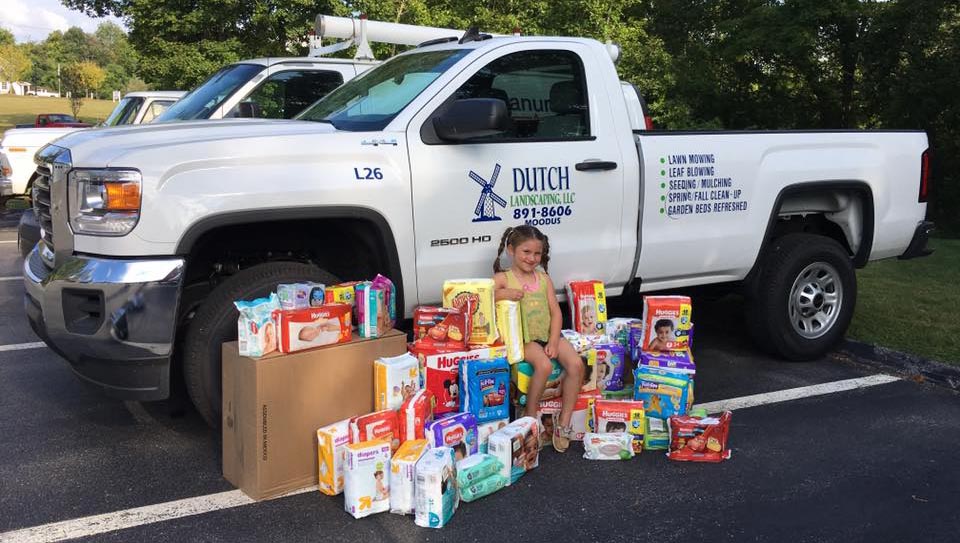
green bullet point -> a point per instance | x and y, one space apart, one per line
663 172
661 211
663 160
663 185
663 198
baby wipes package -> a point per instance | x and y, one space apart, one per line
332 444
440 370
366 480
373 318
442 327
395 380
678 361
381 425
301 329
510 330
457 431
301 295
522 373
414 414
611 416
477 293
588 306
485 430
256 331
582 417
615 446
437 496
699 439
609 362
485 388
477 467
517 447
403 476
483 487
666 323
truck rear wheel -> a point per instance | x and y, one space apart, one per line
215 322
806 294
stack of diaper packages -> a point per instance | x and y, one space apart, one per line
436 488
517 447
480 475
440 371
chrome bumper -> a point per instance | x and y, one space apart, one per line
112 319
6 186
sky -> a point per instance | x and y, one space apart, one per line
33 20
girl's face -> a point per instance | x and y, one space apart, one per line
526 255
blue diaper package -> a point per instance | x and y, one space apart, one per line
664 393
485 389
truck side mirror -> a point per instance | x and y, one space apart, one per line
470 118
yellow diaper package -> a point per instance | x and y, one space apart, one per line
476 294
332 441
511 332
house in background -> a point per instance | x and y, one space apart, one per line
20 88
40 91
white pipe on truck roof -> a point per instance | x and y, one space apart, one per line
342 28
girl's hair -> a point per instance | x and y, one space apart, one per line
515 235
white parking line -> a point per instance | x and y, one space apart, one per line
12 278
22 346
8 241
130 518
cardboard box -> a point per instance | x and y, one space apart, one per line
272 407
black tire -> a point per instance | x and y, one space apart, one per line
215 322
804 298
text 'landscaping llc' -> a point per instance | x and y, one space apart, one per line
541 195
692 184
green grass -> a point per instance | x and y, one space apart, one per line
16 110
912 305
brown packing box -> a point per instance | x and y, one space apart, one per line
272 408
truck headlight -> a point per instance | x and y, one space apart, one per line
104 202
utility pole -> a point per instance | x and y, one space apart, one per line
58 79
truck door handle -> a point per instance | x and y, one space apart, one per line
591 165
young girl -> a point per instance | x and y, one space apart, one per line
524 282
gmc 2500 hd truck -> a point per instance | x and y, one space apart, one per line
414 170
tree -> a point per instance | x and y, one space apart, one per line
14 63
80 78
6 37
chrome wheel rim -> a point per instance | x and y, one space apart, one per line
815 300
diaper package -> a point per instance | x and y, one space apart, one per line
343 293
522 373
613 446
483 487
678 361
457 431
373 319
437 496
439 368
403 476
517 447
582 417
696 439
332 444
461 293
476 467
389 297
366 479
395 380
618 330
256 331
666 323
381 425
485 430
485 388
442 327
510 330
580 342
414 414
301 329
301 295
588 306
611 416
608 361
664 393
657 435
635 338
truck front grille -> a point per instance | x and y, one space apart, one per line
41 203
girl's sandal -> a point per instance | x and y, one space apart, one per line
561 437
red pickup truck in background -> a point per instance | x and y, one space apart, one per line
51 120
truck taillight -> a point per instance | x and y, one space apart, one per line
648 122
924 176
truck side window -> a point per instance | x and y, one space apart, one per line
284 94
545 92
155 109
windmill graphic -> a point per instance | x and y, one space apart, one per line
485 210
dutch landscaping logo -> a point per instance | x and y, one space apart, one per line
485 210
541 195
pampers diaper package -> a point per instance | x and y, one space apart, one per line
666 323
395 380
588 306
441 375
608 361
366 478
301 329
517 447
403 476
478 292
256 331
511 332
301 295
621 416
381 425
332 444
485 388
437 496
414 414
442 327
485 430
458 431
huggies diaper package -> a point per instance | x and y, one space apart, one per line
437 496
381 425
511 332
678 361
440 372
582 417
628 416
485 430
403 476
414 414
301 295
618 330
332 444
373 318
395 380
666 322
256 331
608 361
366 478
442 327
517 447
301 329
485 388
478 292
588 306
522 373
390 299
458 431
696 439
616 446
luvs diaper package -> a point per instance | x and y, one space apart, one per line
442 327
588 306
366 478
437 496
608 361
615 446
403 476
373 317
301 295
478 292
458 431
332 444
621 416
256 331
517 447
666 323
396 379
381 425
485 388
301 329
440 372
510 330
414 414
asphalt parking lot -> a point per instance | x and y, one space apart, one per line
875 462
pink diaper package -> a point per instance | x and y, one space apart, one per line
415 413
458 431
381 425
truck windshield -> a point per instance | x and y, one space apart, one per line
202 101
125 112
371 101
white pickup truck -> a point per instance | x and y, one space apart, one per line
414 170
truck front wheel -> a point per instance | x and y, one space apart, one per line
215 322
806 294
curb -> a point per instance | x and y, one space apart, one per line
910 365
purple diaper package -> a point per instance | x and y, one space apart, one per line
679 361
608 360
457 430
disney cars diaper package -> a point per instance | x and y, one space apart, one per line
699 439
486 388
666 323
588 306
478 294
442 327
310 327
